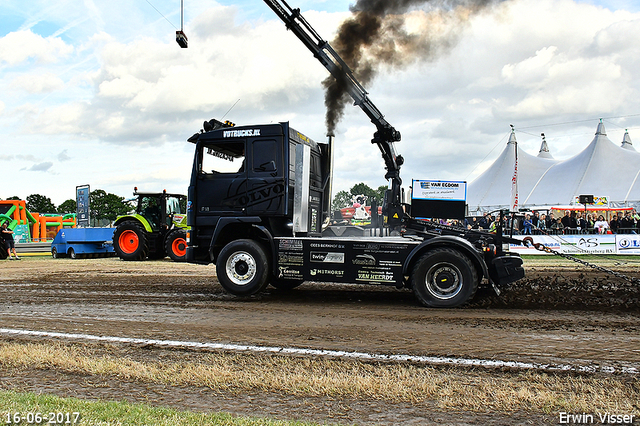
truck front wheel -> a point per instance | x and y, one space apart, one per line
243 267
444 278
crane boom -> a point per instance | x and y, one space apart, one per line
386 134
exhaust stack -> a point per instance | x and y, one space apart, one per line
326 207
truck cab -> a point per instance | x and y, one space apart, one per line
269 180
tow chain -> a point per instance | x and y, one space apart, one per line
528 242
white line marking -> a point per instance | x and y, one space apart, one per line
472 362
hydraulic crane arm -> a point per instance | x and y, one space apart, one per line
386 134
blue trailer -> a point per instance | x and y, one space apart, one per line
83 242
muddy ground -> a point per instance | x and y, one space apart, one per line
562 313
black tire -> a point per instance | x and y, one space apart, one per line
130 241
444 278
176 245
243 267
54 253
282 284
72 253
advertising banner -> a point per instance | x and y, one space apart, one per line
597 201
21 234
439 190
82 206
439 199
628 244
573 244
364 261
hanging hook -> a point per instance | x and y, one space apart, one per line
181 37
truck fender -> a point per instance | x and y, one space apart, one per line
452 241
266 235
223 222
272 246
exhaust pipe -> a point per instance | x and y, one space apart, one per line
329 177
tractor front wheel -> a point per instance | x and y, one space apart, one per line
130 241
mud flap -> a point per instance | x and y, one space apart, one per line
505 270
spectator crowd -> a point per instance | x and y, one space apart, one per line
573 222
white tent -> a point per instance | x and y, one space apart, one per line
492 189
602 169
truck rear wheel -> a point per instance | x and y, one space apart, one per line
444 278
176 245
130 241
243 267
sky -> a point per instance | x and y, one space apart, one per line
99 93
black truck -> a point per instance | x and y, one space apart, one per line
259 200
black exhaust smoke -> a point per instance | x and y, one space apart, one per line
376 34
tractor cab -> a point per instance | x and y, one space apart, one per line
159 209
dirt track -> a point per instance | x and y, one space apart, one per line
561 314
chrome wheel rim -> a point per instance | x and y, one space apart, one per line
444 281
241 268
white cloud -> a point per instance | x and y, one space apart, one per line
56 120
63 156
40 167
20 46
38 83
619 37
223 63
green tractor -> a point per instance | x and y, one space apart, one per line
154 229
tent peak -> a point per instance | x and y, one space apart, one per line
626 141
512 136
544 148
601 130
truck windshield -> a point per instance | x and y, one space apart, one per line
223 158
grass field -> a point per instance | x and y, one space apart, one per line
29 408
450 388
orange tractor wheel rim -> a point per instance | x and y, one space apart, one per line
129 242
179 247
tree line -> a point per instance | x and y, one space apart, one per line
108 206
344 198
104 205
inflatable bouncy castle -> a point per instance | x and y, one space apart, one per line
33 227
